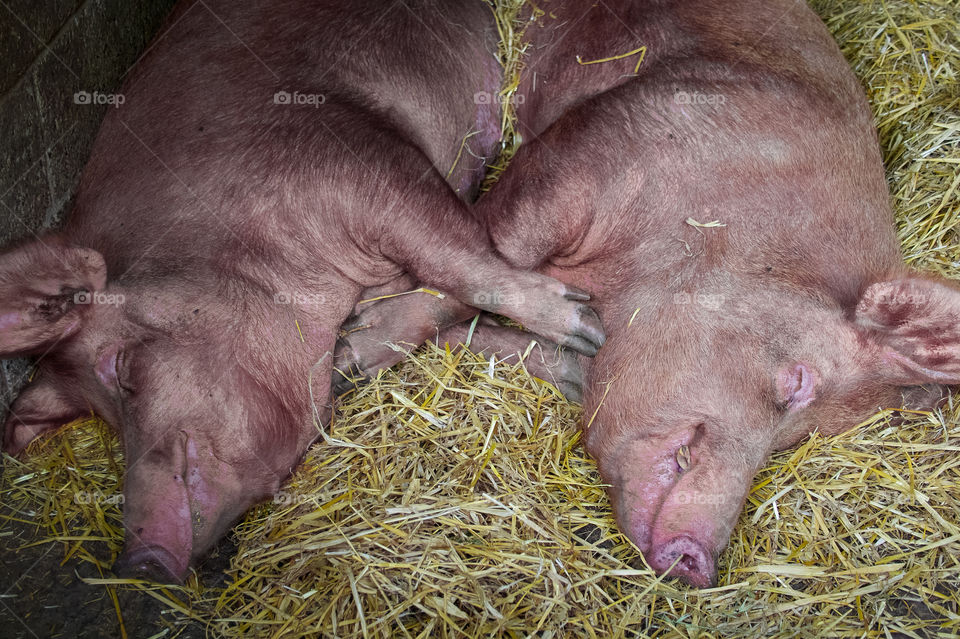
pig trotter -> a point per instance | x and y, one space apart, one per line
584 333
348 371
579 325
347 380
359 355
574 293
572 389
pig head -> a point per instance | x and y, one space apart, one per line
207 429
685 404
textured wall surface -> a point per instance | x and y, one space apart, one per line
61 63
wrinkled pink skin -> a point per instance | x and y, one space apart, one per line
204 200
724 343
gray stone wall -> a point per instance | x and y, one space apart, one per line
60 61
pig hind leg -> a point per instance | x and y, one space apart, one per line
382 332
546 360
385 331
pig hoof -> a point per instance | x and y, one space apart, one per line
569 377
558 366
347 370
577 294
346 381
151 563
353 323
571 390
695 566
586 335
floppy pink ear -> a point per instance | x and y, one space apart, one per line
39 408
44 287
916 321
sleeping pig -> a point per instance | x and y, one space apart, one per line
270 163
724 203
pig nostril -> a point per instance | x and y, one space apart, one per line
689 563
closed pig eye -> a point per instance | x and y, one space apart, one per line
113 369
796 386
122 372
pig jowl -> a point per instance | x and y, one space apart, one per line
725 205
269 164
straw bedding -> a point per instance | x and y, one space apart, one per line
450 497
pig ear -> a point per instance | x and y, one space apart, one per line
44 287
38 409
917 324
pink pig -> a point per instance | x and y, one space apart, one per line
725 205
271 164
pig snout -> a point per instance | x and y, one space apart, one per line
678 497
179 499
152 563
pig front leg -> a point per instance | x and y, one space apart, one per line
440 244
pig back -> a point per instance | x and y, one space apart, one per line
235 105
744 145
